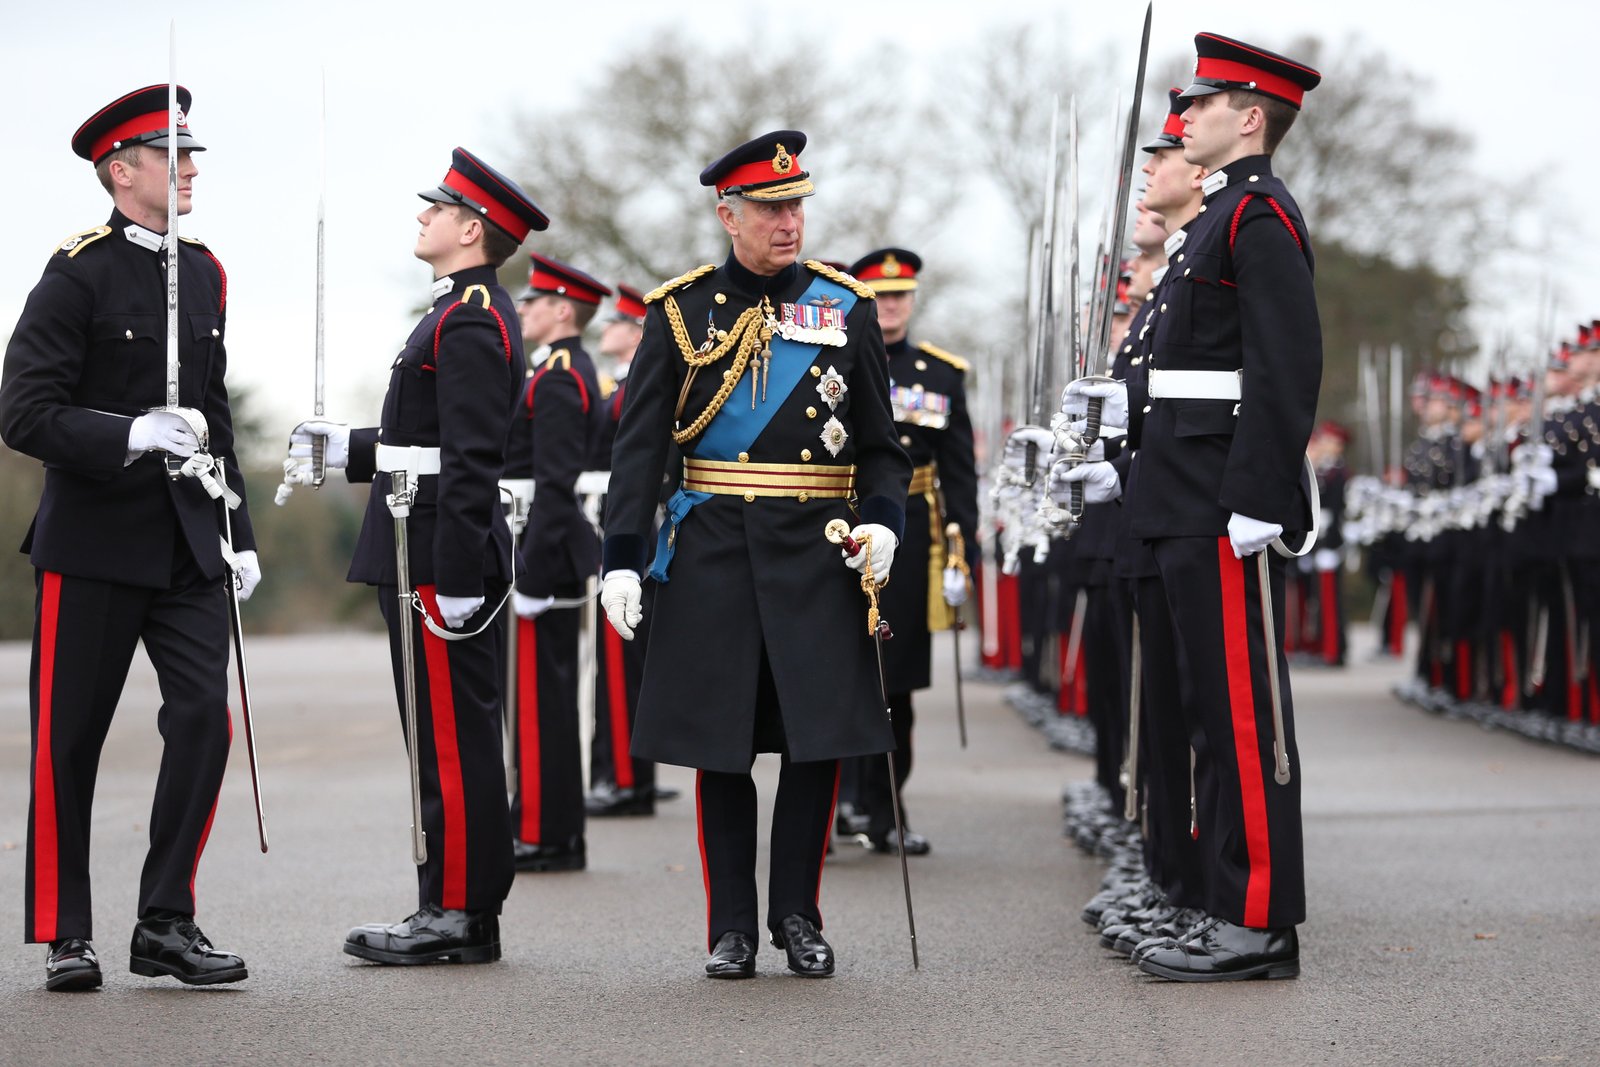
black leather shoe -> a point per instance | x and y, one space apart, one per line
809 955
848 820
71 964
1218 951
666 792
1173 923
889 843
570 855
173 946
431 935
734 956
606 801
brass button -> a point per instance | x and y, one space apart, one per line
816 371
744 457
1202 207
1163 308
805 454
127 335
811 413
1255 177
921 364
749 498
802 496
727 375
1186 271
905 440
216 333
1147 409
722 335
720 298
1180 257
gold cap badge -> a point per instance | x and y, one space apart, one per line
783 162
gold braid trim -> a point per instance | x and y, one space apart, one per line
949 357
750 333
679 282
841 278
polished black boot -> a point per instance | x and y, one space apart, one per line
848 820
169 945
569 855
889 842
734 956
1219 951
432 935
71 965
607 801
809 955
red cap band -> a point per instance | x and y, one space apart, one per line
138 126
545 281
499 214
1227 70
761 171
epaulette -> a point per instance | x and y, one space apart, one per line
192 241
608 386
841 278
679 282
79 241
949 357
476 290
560 359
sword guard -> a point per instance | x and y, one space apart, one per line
883 632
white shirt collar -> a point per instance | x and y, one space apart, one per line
442 286
1175 242
144 238
1214 182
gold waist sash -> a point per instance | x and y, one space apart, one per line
801 481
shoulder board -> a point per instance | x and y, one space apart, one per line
679 282
560 359
81 240
949 357
476 293
192 241
608 386
839 276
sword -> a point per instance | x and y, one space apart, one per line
517 519
1130 807
319 443
838 532
1269 627
957 551
1080 608
238 657
174 463
401 498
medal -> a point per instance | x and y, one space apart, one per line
833 435
831 388
816 323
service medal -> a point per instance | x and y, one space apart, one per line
831 387
811 324
833 436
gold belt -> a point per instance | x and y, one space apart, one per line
924 483
801 481
922 479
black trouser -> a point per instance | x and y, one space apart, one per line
84 635
619 668
459 754
548 806
1105 641
1249 825
873 771
802 816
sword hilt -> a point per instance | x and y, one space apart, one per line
319 460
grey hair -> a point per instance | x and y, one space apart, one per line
735 205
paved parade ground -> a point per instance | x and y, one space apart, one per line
1451 872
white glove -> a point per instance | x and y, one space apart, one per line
247 572
1327 559
161 431
530 607
1113 413
884 542
456 610
335 455
1068 432
623 601
1101 483
1594 478
955 587
1541 481
1250 536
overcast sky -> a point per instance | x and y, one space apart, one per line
408 81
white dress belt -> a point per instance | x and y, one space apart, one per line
1196 384
413 459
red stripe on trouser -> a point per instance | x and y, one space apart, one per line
528 729
46 861
1594 699
700 831
441 700
1010 622
1463 669
1398 608
1330 617
1508 658
827 835
1247 747
1080 681
617 694
211 816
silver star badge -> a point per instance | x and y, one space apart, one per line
831 388
833 436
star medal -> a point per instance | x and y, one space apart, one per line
833 435
831 387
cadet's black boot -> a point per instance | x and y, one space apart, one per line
166 944
809 955
734 956
432 935
1219 951
71 964
889 842
607 800
569 855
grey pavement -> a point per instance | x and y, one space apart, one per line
1455 914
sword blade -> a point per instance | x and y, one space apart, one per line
1269 628
245 711
894 798
172 215
961 700
319 443
400 507
1130 807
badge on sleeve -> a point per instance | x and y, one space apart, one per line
831 387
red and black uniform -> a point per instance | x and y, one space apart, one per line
451 388
124 554
559 423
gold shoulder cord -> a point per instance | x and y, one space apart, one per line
750 333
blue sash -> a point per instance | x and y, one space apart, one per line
735 428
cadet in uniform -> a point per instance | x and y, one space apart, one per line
1236 367
122 552
771 376
561 420
928 394
452 390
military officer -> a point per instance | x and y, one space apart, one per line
122 553
452 391
770 374
1232 388
928 394
561 421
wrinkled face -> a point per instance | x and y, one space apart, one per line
1212 130
767 235
894 313
146 182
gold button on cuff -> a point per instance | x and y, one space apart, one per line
720 298
816 371
744 457
749 498
805 454
811 413
802 496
